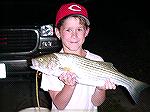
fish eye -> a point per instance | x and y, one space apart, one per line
40 59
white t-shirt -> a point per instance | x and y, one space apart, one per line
81 98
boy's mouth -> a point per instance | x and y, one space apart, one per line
74 42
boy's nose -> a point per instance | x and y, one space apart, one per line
74 34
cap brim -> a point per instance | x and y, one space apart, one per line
87 20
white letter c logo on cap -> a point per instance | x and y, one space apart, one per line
75 8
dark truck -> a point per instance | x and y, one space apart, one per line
18 44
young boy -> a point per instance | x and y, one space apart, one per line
72 27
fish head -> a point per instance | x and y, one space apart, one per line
45 63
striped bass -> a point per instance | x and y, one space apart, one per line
88 72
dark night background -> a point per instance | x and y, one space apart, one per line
120 30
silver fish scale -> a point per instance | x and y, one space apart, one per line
94 70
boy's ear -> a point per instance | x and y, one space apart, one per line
57 33
87 31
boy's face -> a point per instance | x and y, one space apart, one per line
73 34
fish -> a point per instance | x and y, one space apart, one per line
88 72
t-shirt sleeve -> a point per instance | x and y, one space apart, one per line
50 82
93 56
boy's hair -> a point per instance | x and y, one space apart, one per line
72 9
81 20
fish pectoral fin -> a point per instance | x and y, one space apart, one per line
66 69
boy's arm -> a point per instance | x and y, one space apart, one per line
99 95
62 98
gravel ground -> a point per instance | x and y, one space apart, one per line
119 100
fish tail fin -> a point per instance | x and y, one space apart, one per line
135 88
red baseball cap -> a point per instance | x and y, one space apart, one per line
71 9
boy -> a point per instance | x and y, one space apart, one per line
72 27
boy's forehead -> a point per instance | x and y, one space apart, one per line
73 21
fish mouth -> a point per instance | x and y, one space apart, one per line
34 63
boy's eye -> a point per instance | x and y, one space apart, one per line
80 29
68 30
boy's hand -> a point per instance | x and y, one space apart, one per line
68 78
108 85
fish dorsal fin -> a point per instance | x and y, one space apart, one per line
107 65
